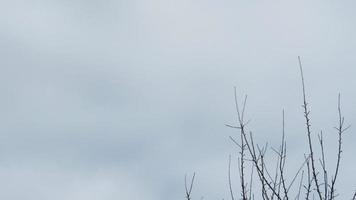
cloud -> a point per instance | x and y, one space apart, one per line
119 99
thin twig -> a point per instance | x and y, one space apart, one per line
340 130
229 176
323 165
307 119
188 191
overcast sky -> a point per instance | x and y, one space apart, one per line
115 99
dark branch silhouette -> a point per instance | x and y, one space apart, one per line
277 185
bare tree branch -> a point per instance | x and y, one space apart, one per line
307 119
188 190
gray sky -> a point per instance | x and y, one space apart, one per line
119 99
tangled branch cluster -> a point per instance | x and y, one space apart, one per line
313 183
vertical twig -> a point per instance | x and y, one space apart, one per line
309 183
307 119
323 165
229 176
251 182
340 130
240 115
283 159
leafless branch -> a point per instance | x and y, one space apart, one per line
340 130
230 184
310 143
188 190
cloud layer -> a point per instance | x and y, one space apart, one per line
119 99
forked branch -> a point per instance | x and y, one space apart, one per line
188 189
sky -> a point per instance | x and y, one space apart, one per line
120 99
